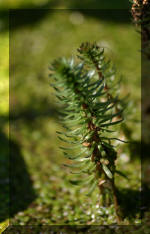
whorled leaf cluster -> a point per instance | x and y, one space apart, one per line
89 111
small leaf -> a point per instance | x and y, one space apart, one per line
78 165
91 73
82 181
121 174
71 62
107 171
112 123
98 93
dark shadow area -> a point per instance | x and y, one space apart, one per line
101 4
30 17
16 187
4 177
109 15
15 182
112 11
145 116
145 181
130 202
31 112
21 189
27 17
145 198
133 146
17 18
75 229
145 151
4 20
135 150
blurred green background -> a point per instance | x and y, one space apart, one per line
88 4
40 190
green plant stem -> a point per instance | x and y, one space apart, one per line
95 155
106 88
104 200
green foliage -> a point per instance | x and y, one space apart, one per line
89 110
